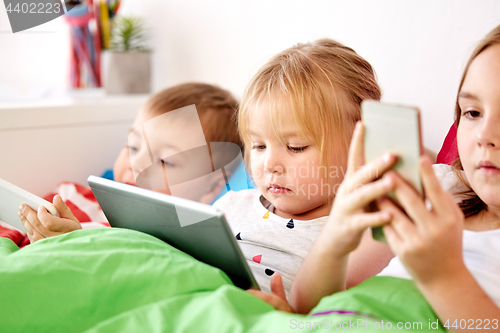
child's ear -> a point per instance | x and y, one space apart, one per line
217 183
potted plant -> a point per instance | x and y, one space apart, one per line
128 63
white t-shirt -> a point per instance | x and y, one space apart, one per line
269 242
481 249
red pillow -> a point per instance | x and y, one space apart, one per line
449 150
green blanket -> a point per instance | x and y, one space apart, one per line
114 280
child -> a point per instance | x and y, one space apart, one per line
161 288
452 258
296 119
216 110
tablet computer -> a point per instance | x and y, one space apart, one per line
192 227
12 196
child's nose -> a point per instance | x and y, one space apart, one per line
140 161
273 163
489 135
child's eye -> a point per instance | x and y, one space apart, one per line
297 149
167 163
471 114
259 147
132 148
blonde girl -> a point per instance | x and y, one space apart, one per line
296 120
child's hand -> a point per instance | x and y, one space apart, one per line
348 218
324 270
43 224
428 242
277 297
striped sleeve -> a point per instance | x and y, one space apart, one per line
79 199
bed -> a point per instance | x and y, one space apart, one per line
115 280
112 280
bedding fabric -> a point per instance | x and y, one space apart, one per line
115 280
79 199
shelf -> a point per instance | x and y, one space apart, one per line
75 108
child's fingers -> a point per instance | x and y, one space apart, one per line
53 225
370 220
432 188
34 219
63 209
364 194
411 201
266 297
356 149
30 215
277 286
32 233
393 239
272 300
402 226
370 171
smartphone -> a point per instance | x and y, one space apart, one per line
396 129
11 197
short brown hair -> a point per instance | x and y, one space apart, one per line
473 204
216 107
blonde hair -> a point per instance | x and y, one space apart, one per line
321 85
473 204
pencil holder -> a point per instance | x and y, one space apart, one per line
127 65
127 72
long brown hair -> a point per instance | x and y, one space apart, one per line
473 204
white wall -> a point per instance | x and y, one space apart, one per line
418 48
43 145
35 57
